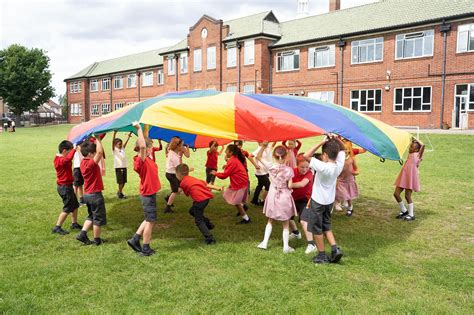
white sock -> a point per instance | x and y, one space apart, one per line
350 208
268 232
246 217
410 210
402 206
286 238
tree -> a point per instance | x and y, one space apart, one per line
25 79
64 104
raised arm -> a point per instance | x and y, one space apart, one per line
422 149
222 150
129 136
113 138
298 145
140 141
186 151
309 154
99 150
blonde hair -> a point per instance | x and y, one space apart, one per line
174 143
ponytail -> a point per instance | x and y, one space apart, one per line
232 148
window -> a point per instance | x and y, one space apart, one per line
231 57
117 106
249 52
414 45
131 103
231 88
76 109
147 79
118 82
94 85
105 84
368 50
95 110
413 99
323 56
466 90
211 57
326 96
366 100
465 38
132 80
197 60
105 109
170 65
250 88
288 60
75 87
183 62
160 77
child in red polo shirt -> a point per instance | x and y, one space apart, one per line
93 186
212 158
147 169
64 179
200 192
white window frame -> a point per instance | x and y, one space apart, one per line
231 57
197 60
411 37
211 58
469 101
282 54
171 66
106 83
105 105
118 106
130 82
412 92
75 87
249 52
371 43
231 88
329 96
321 52
147 77
160 77
118 82
95 110
75 109
367 98
183 62
249 88
130 103
470 37
94 83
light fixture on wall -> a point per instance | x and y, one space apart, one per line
302 92
389 75
387 87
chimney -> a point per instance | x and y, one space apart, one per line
303 9
334 5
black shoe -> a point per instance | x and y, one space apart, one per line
168 209
210 240
401 215
321 259
209 225
76 226
84 239
148 252
135 245
409 218
98 242
59 230
244 221
336 256
121 195
349 213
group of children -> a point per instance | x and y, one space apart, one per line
289 185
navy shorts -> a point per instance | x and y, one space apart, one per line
319 218
174 182
96 208
121 175
69 198
149 207
78 179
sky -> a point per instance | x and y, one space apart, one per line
76 33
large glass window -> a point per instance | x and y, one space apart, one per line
94 85
183 62
197 60
288 60
231 88
147 78
118 82
118 106
132 80
160 77
170 65
368 50
466 90
326 96
76 109
249 52
323 56
366 100
413 99
231 57
105 108
465 38
211 57
105 84
250 88
412 45
95 110
75 87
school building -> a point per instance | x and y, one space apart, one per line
407 63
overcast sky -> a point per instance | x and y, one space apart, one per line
76 33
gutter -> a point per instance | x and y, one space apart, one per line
251 36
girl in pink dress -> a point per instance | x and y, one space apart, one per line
346 187
279 204
409 180
292 147
176 150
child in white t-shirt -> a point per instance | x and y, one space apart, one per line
78 183
120 163
262 173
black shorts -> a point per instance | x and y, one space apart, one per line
174 182
78 179
96 208
149 207
209 177
319 218
121 175
69 198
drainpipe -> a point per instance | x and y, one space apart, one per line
139 84
111 89
238 66
341 45
87 102
270 79
176 71
445 28
220 55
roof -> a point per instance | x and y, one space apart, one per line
131 62
53 104
385 14
264 23
180 46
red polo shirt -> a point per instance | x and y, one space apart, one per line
148 172
212 157
304 192
236 171
92 176
195 188
63 166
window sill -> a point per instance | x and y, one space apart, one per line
131 87
321 68
145 86
371 62
197 71
464 52
413 58
286 71
231 67
412 112
250 65
211 70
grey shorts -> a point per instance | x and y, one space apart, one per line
69 198
78 179
319 218
96 208
149 207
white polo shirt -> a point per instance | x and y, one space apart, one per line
324 185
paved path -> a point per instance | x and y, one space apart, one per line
444 132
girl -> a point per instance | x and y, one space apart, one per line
409 180
236 193
211 163
120 163
176 150
346 187
263 178
292 146
279 204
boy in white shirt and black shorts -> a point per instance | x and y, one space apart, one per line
120 163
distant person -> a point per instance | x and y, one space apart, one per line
78 179
212 160
13 126
176 150
263 178
120 163
346 187
409 180
293 147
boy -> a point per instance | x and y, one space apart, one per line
93 186
120 163
78 179
200 192
147 169
262 174
323 195
64 179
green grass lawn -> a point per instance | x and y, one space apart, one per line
424 266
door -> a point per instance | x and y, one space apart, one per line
459 109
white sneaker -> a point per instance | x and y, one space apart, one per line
295 236
288 250
262 245
310 249
338 207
